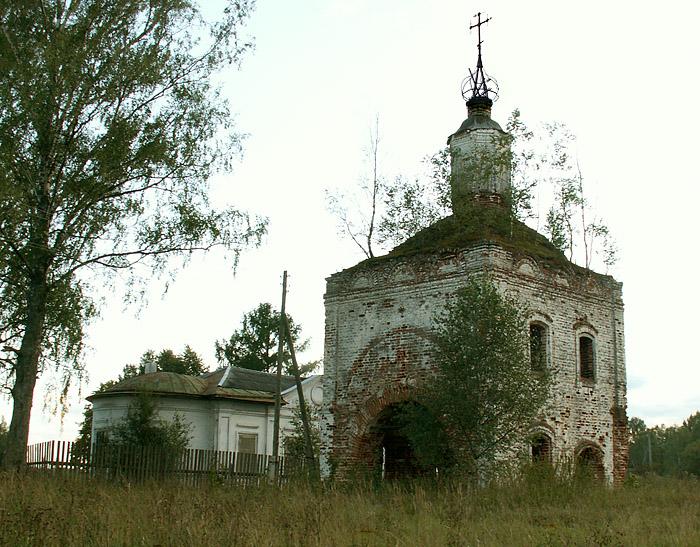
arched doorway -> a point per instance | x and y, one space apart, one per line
396 457
589 463
541 448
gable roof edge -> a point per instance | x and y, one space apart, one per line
304 381
224 376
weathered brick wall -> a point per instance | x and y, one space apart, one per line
378 330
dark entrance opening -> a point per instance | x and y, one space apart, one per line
395 456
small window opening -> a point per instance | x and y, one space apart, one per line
247 443
538 346
586 354
247 459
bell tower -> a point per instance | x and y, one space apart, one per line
480 149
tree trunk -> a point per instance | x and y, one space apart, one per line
26 371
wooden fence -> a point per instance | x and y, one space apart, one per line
136 463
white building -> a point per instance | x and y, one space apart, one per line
229 409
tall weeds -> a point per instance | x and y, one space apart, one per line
537 509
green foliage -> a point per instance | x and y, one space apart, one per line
673 451
538 163
110 128
484 224
636 427
571 224
431 445
188 362
525 166
408 206
690 458
142 436
139 428
294 443
484 394
255 344
142 427
83 442
411 205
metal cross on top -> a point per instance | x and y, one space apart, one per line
477 85
477 26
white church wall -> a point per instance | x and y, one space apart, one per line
107 411
218 424
238 419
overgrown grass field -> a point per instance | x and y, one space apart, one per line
39 509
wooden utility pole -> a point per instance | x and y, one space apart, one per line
308 444
273 470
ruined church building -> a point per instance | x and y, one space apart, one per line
380 313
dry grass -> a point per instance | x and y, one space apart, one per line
47 510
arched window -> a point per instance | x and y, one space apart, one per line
538 346
589 463
586 355
541 448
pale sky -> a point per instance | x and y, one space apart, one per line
622 75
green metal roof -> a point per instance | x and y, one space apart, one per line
476 121
161 382
225 383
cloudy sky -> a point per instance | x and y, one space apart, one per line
622 75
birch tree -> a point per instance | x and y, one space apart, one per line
572 224
358 212
110 127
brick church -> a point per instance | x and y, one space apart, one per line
379 315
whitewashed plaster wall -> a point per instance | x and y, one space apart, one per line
216 424
197 413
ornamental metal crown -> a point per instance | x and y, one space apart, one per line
478 87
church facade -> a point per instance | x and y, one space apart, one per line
380 315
